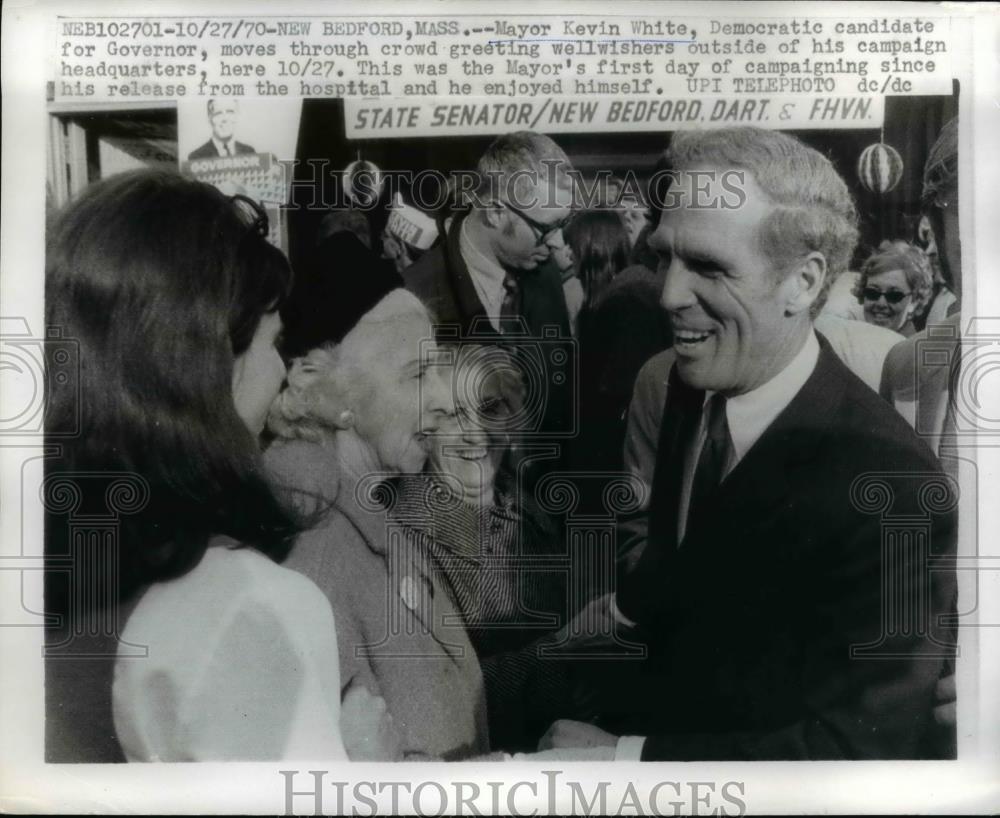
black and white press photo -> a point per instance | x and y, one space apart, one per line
546 398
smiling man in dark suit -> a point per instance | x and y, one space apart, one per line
791 570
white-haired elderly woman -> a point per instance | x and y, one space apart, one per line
360 405
392 448
894 287
414 535
418 534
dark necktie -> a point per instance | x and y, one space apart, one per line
510 307
226 148
716 452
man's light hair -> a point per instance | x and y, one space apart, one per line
813 208
213 100
502 168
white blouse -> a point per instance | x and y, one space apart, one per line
242 665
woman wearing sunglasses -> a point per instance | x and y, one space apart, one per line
894 286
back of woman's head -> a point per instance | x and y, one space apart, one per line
600 246
162 282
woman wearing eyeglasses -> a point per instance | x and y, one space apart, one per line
171 291
894 286
481 531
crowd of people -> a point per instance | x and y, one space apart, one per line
538 481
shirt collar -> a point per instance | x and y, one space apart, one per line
486 272
749 414
220 146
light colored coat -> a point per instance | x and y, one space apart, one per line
398 631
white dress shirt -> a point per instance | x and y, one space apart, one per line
748 416
486 274
225 148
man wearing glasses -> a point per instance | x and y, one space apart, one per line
489 282
489 266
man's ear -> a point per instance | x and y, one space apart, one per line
804 283
493 215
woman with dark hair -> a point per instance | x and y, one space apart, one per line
171 291
600 245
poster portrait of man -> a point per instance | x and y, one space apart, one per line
223 117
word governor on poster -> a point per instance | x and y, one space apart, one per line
528 57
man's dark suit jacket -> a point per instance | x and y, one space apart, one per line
441 280
751 620
208 150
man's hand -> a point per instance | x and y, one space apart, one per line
366 727
568 733
944 704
